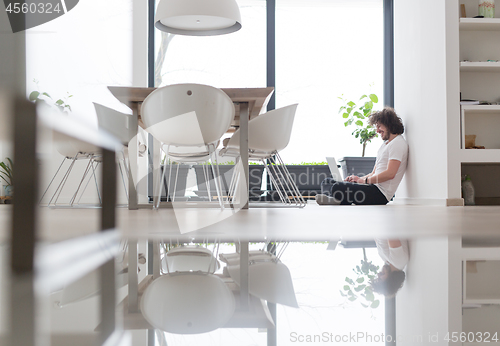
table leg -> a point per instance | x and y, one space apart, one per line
244 150
132 156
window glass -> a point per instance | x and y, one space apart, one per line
326 49
236 60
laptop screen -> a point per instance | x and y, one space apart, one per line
334 170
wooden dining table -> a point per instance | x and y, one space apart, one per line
248 102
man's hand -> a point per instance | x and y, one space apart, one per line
355 179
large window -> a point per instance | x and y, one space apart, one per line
325 49
237 60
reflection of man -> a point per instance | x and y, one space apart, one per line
378 187
395 255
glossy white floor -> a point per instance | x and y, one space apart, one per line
312 223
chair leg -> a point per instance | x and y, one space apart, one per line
122 175
271 170
207 182
292 187
234 180
55 175
217 178
88 181
61 185
87 169
160 185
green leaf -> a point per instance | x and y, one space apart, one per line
351 104
357 114
365 305
359 123
359 288
352 298
374 98
360 280
47 95
349 281
369 296
342 294
369 105
34 95
345 115
375 304
59 102
362 97
346 124
346 288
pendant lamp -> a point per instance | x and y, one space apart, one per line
198 17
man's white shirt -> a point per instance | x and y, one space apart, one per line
397 149
397 256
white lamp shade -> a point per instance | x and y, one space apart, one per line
190 258
198 17
187 303
268 280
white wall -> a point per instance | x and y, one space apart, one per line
429 303
421 94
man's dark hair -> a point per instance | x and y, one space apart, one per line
389 119
390 286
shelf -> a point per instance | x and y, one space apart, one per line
479 24
480 156
479 66
482 109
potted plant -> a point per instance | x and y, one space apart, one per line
6 175
359 287
37 96
357 114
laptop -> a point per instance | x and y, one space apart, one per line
334 169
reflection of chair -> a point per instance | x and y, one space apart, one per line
74 149
117 124
189 258
189 299
189 120
268 134
268 277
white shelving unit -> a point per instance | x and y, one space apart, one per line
481 292
479 24
479 66
484 122
479 58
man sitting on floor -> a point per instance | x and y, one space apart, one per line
391 278
378 187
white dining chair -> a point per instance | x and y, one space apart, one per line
189 298
188 120
268 134
268 277
74 150
117 124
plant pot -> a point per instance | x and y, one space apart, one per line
352 165
255 179
308 179
180 187
8 190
